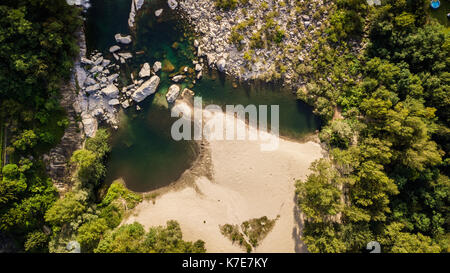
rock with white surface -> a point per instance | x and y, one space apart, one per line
172 93
146 89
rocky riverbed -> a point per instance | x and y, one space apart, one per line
242 58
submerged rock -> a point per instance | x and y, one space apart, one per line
172 94
146 89
167 66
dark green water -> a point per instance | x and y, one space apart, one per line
144 153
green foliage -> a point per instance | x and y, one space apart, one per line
118 192
90 168
226 4
67 209
37 45
89 161
389 153
132 238
319 196
37 241
90 234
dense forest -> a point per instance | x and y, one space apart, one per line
37 48
386 179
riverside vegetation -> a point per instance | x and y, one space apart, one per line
377 75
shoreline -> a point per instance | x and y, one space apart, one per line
232 182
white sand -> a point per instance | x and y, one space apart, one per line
247 183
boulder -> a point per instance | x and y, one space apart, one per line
114 102
98 61
111 91
86 61
114 48
123 39
146 89
90 125
158 12
89 81
113 77
105 62
93 88
172 93
178 78
198 67
172 4
126 55
145 71
157 66
221 65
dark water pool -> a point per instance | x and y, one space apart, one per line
143 153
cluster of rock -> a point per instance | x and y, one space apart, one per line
85 4
101 95
215 34
135 6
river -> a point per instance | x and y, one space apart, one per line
143 152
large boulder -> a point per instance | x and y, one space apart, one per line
90 125
172 93
221 65
146 89
93 88
111 91
123 39
145 71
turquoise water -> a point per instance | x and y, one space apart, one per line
143 152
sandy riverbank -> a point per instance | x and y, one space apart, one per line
246 183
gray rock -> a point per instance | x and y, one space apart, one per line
90 125
172 93
178 78
221 65
111 91
123 39
113 77
93 88
198 67
126 55
146 89
145 71
125 104
86 61
114 102
98 61
105 62
114 48
158 12
157 66
172 4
